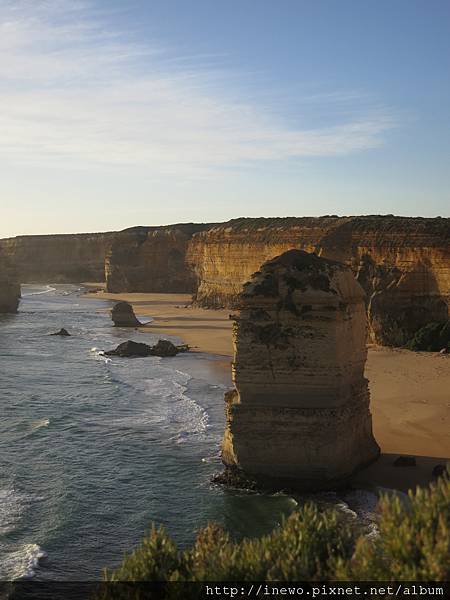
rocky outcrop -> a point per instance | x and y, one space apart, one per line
299 414
402 263
132 349
123 315
69 258
151 259
62 332
9 286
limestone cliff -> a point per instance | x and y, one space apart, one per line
300 411
402 263
151 259
9 286
68 258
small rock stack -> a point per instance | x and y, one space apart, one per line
123 315
299 415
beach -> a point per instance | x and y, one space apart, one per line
410 398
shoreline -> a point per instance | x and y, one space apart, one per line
204 330
409 399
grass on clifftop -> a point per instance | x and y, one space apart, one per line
413 545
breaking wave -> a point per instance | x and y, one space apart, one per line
40 423
21 563
40 292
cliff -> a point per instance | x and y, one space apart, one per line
403 264
151 259
68 258
300 412
9 286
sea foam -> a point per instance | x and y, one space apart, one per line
40 423
21 563
47 290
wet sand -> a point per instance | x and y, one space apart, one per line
410 391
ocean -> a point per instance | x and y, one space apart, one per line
93 450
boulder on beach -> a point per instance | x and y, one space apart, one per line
133 349
62 332
123 315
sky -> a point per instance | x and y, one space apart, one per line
148 112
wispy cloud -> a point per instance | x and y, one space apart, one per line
74 93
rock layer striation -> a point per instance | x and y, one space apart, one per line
299 414
152 259
402 263
68 258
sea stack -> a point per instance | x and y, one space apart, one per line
299 414
123 315
9 286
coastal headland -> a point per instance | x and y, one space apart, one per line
409 390
402 263
175 275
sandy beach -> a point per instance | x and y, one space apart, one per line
410 391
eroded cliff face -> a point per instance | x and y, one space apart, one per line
151 259
68 258
402 263
300 410
9 286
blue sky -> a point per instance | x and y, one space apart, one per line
114 114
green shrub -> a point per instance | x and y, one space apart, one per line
414 540
414 545
431 338
305 547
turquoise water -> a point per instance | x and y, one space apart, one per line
93 450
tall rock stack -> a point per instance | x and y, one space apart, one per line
300 412
9 286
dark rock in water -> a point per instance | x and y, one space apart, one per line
405 461
130 349
235 478
123 315
62 332
440 471
133 349
164 348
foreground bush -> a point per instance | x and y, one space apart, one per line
431 338
414 540
414 545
